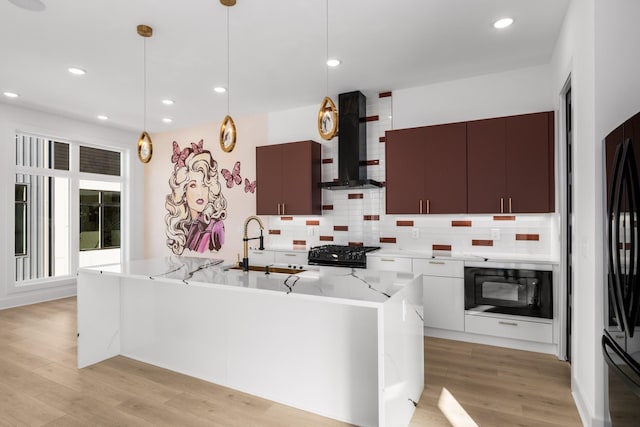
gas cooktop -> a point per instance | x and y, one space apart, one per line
340 255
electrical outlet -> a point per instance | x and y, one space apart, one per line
495 234
415 233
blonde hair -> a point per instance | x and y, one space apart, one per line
178 217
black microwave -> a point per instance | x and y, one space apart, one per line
521 292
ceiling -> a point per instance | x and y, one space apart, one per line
277 52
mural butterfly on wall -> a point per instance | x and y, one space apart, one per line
179 156
232 177
249 186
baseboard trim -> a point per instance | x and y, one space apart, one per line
42 295
491 340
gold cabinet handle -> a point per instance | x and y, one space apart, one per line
510 210
420 205
428 206
387 260
501 204
283 213
289 254
436 262
508 323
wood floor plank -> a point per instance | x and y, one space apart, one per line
42 386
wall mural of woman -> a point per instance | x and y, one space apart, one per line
196 206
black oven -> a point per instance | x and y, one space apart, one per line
522 292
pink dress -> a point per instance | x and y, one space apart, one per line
203 236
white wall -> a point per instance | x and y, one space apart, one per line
519 91
596 48
14 118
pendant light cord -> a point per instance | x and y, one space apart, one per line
327 45
144 84
228 66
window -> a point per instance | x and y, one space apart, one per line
99 219
48 184
21 220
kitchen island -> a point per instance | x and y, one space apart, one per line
340 342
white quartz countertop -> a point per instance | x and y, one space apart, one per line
348 285
467 257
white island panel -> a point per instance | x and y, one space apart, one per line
342 343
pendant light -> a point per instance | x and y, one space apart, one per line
228 127
328 113
145 146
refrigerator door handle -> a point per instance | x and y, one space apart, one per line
623 275
632 383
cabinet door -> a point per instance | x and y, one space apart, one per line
528 175
404 170
269 179
486 160
443 300
445 168
301 178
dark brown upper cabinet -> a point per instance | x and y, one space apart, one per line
426 170
288 177
510 164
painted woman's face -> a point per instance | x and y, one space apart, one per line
197 194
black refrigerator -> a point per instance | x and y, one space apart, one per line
621 336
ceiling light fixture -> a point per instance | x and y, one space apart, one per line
333 62
145 146
167 120
328 113
167 101
220 89
77 71
103 117
502 23
33 5
10 94
228 126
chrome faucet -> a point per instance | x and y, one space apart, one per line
245 240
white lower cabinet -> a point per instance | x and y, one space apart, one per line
509 327
443 292
389 263
297 258
261 257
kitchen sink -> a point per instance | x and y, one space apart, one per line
272 269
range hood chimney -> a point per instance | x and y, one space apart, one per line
352 144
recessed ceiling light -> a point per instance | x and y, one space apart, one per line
103 117
77 71
502 23
167 120
35 5
10 94
167 101
220 89
333 62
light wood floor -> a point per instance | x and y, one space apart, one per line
41 386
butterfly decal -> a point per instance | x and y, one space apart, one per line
249 186
232 177
197 148
178 156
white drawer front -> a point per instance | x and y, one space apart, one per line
438 267
389 263
509 328
291 258
258 257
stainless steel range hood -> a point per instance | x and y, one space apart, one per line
352 144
